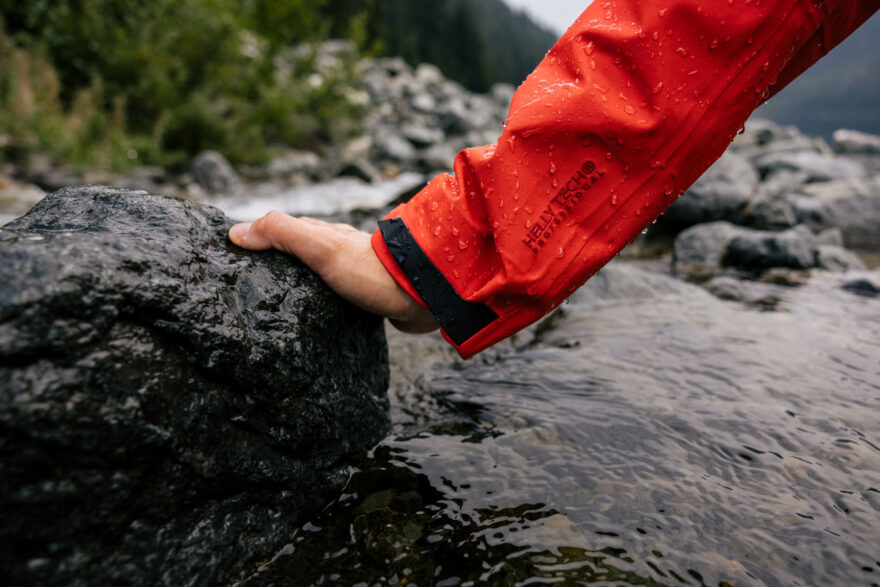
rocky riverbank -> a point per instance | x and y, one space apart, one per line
800 203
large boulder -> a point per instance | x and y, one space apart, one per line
853 141
720 194
816 166
215 175
170 406
758 250
851 205
699 251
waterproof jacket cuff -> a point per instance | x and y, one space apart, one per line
460 319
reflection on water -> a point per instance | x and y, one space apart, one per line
649 434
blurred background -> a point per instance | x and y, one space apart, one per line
110 84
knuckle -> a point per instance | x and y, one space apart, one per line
271 223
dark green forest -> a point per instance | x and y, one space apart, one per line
475 42
110 83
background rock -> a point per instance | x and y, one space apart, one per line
835 258
170 405
816 166
698 251
853 141
215 175
720 194
751 250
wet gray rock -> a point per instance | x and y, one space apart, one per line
502 94
851 205
294 164
440 157
864 284
618 281
720 194
215 175
836 258
783 181
762 137
770 214
421 136
699 250
754 293
390 144
831 236
170 405
755 250
707 250
361 169
816 166
853 141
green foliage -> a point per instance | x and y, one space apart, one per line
183 75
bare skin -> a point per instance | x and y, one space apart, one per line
343 257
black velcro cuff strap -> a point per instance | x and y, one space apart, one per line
459 318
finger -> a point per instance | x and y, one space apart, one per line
314 244
313 221
338 226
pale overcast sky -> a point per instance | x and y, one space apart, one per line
556 14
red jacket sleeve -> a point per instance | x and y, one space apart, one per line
631 105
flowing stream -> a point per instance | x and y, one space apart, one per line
647 433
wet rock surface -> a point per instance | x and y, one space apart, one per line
720 194
170 406
779 201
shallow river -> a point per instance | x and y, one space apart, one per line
647 434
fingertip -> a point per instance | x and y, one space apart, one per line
238 233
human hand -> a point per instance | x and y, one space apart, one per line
343 257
